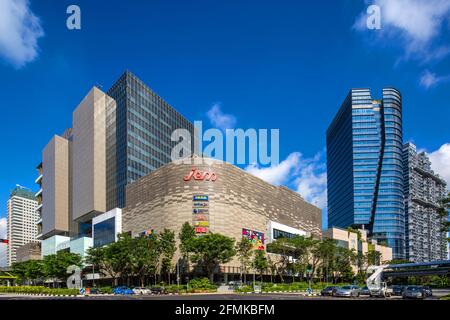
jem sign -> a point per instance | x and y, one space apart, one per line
200 175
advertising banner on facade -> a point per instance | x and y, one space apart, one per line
257 238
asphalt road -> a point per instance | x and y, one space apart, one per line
229 297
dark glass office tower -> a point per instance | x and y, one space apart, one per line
365 170
138 135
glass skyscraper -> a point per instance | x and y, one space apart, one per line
138 135
365 169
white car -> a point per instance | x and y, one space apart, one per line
141 291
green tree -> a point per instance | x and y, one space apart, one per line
113 259
353 230
374 257
186 236
98 258
145 253
272 268
344 259
211 250
168 248
301 249
260 263
28 271
327 249
244 251
398 261
284 249
55 265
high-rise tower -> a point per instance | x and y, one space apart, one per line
365 169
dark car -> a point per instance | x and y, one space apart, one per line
158 290
364 291
94 291
428 291
328 291
414 292
397 290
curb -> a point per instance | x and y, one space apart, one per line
46 295
300 292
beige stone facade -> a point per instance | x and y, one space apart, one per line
55 187
350 241
89 155
237 200
29 251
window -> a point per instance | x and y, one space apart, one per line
277 234
104 232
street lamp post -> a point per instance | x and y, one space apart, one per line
178 273
93 275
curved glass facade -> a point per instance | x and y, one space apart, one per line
364 160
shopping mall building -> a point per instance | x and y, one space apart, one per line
216 197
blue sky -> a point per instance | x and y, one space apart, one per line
256 64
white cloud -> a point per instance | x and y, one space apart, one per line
3 247
219 119
277 174
312 182
429 79
307 176
20 30
415 24
440 162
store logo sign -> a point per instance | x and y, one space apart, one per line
200 175
200 198
201 230
196 211
200 204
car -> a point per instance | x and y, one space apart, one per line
397 290
235 284
141 291
347 291
364 291
328 291
428 291
94 291
414 292
158 290
381 290
123 290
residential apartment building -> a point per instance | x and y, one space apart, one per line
365 168
423 190
22 218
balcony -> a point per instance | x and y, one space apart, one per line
39 236
39 193
39 207
39 221
39 179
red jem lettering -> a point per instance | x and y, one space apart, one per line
200 175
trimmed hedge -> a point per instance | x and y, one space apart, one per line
296 286
106 290
39 290
201 285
